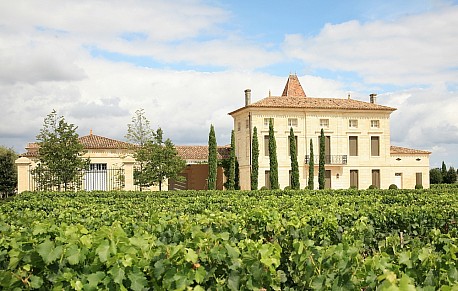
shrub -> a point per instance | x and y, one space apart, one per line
288 188
393 186
373 187
264 188
418 186
353 187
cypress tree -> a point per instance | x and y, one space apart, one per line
311 185
295 184
212 159
273 158
321 170
237 175
231 179
444 170
255 158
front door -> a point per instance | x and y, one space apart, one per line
398 180
327 179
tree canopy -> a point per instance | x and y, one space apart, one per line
295 184
273 158
255 160
8 172
159 161
59 154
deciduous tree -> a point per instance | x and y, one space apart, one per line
8 172
59 154
160 161
435 176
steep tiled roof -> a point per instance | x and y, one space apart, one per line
315 103
93 141
395 150
200 152
293 88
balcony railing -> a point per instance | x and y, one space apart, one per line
328 160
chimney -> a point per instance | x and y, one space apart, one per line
373 98
247 97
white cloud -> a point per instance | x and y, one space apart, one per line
417 49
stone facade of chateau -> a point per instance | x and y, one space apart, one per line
357 138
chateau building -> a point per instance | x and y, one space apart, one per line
357 141
112 166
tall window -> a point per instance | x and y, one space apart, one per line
375 146
418 179
267 179
238 126
266 145
247 123
353 123
375 123
289 145
292 122
266 121
324 123
354 179
376 178
353 145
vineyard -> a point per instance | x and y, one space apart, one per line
231 240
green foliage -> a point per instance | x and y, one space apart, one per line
59 154
231 179
8 171
311 182
450 177
393 187
273 158
321 169
372 187
435 176
254 160
231 240
237 175
139 131
295 184
212 159
418 186
443 169
159 160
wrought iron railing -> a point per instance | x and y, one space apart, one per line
88 180
328 160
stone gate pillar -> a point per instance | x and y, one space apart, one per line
129 173
23 175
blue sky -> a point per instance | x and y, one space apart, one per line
187 63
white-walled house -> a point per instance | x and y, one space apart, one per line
357 141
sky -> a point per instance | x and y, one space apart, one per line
188 62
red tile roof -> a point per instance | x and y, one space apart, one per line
293 88
93 141
395 150
294 97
